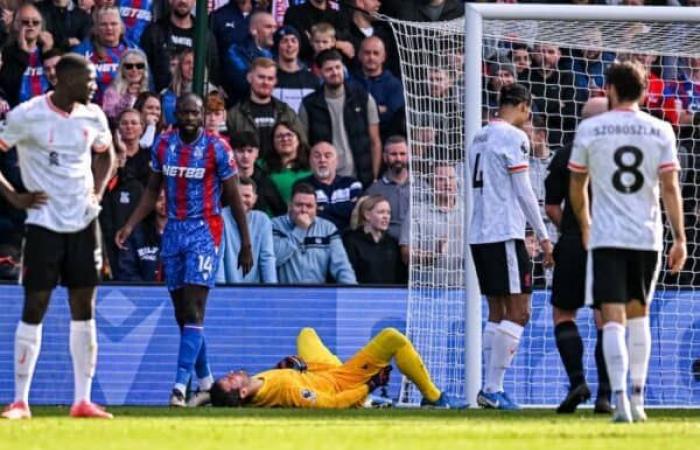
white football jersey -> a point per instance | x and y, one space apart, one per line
54 151
499 149
624 151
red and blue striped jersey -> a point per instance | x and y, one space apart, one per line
193 173
136 15
106 63
34 82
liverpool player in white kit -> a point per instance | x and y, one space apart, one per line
502 200
626 154
65 158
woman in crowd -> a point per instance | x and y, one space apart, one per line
148 105
131 80
183 75
373 253
289 161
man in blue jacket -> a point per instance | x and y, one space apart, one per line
260 229
308 248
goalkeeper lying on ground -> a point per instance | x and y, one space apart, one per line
317 379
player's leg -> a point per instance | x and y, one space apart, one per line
191 310
602 402
496 313
570 346
311 349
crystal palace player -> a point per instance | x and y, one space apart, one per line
569 281
503 199
626 153
194 165
59 136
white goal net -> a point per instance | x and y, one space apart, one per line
562 62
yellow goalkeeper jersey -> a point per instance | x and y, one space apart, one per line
310 389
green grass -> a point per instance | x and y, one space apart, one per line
398 429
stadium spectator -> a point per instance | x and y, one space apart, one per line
540 157
62 239
688 92
384 87
260 228
238 59
320 380
49 61
589 66
659 99
215 115
260 110
289 162
229 24
308 249
105 47
22 74
520 56
373 253
164 39
68 24
181 83
148 104
246 150
336 195
140 260
304 16
136 15
363 24
394 185
294 80
131 79
553 94
86 5
346 116
428 11
499 73
323 37
126 187
193 233
438 240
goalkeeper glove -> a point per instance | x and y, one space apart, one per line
379 379
292 362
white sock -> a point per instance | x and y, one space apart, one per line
206 383
639 346
83 350
505 344
616 356
27 348
487 342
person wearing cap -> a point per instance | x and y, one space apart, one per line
294 79
238 57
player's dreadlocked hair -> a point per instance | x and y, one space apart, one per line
221 398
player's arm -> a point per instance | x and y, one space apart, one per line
555 189
673 203
104 166
245 257
302 397
531 208
144 208
21 200
578 196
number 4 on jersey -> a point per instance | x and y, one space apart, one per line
478 178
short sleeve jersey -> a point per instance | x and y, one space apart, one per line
499 150
193 173
624 151
55 155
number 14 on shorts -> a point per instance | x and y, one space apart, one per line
205 265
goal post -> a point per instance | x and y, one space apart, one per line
445 312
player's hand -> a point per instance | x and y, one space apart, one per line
28 200
292 362
245 259
379 379
677 256
122 235
547 253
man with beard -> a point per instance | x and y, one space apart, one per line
164 39
394 185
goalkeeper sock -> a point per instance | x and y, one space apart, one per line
487 341
27 348
616 357
202 369
83 350
570 348
190 344
639 346
505 345
603 380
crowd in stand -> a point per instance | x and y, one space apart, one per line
313 108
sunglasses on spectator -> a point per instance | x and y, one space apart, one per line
30 23
140 66
282 136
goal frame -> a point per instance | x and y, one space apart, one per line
475 14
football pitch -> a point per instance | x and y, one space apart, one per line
400 429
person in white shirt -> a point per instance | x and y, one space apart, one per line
66 158
626 154
503 199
